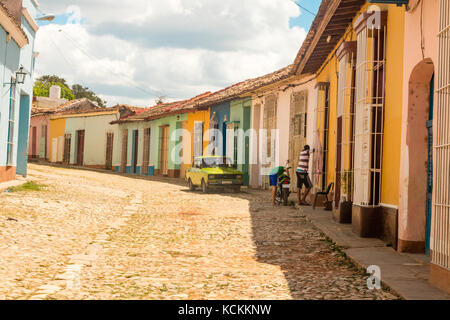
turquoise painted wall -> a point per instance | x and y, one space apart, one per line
240 111
174 122
11 58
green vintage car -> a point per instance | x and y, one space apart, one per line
214 173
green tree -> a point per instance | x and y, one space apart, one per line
42 89
84 92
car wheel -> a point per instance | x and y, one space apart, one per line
204 187
191 185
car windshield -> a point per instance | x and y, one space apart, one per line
221 162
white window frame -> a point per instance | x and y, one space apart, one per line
11 124
346 109
370 103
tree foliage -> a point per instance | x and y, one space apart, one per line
84 92
42 89
77 91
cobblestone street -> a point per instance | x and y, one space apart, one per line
92 235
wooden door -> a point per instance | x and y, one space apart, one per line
67 146
80 147
124 157
109 150
44 139
337 194
135 149
146 151
164 151
33 144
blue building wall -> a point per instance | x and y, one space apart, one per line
222 116
11 58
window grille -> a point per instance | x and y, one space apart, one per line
298 133
345 118
11 123
322 126
270 123
440 236
369 112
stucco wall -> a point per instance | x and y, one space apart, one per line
411 213
57 129
96 128
12 57
38 122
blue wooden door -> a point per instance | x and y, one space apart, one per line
430 169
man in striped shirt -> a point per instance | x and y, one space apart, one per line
303 177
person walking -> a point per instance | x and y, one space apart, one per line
303 176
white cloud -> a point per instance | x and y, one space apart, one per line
131 51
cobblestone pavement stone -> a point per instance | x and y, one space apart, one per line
92 235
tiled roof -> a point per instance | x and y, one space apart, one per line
330 24
245 87
78 106
13 20
164 110
208 99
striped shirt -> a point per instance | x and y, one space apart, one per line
303 163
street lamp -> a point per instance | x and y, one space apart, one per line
47 17
20 75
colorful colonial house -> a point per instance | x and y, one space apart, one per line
43 108
17 34
286 105
424 193
89 138
353 51
158 141
57 127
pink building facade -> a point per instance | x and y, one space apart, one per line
423 196
38 147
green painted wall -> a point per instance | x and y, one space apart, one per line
240 111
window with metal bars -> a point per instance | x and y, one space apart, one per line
11 123
369 109
440 234
322 112
270 119
345 122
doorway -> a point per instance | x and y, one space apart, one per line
80 147
109 150
33 142
416 174
164 150
135 152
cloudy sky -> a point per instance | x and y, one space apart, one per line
132 51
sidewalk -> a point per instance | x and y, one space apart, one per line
405 274
13 183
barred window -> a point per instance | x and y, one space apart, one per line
370 100
440 235
345 122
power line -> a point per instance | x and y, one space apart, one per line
124 77
302 7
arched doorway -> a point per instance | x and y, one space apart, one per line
416 176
